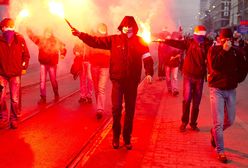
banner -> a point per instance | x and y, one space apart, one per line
243 27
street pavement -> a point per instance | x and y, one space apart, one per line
49 136
66 134
158 143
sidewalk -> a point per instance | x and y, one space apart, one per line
157 141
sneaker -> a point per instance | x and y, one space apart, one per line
56 98
42 101
212 138
195 128
129 146
89 100
4 124
175 93
99 114
222 157
13 124
182 127
82 100
115 143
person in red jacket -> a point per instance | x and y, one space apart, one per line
194 72
127 52
14 58
50 49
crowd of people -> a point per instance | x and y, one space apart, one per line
222 62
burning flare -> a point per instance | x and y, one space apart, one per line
145 32
57 8
24 13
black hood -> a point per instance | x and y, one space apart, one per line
129 21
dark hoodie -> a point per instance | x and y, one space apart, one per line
128 21
126 53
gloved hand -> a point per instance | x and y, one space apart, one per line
227 45
62 57
75 32
24 71
149 79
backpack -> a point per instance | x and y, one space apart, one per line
76 67
243 66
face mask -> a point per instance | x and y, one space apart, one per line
128 31
199 38
9 35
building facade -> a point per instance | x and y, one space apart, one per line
224 13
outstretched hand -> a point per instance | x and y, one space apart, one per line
75 32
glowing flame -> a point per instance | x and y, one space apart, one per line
23 13
145 32
57 8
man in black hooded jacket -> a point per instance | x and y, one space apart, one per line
127 52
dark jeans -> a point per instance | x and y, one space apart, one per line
126 89
192 91
161 70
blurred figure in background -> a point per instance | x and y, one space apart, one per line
237 39
50 49
162 54
14 59
81 59
99 60
172 61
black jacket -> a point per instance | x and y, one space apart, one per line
126 55
225 67
195 60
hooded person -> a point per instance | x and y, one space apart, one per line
14 59
127 53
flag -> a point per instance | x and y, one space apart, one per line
4 2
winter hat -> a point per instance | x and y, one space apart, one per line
226 33
7 22
129 21
200 30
